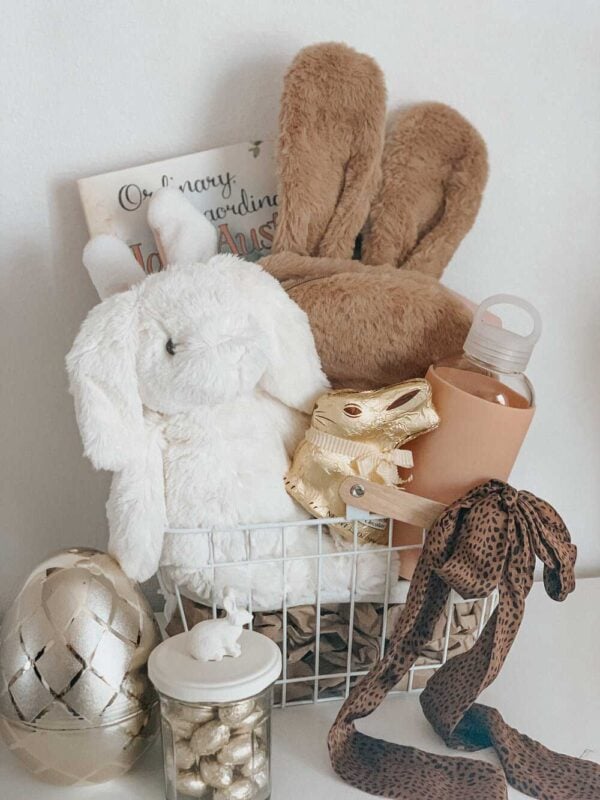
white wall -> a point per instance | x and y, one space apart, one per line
92 86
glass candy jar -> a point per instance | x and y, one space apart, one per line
216 696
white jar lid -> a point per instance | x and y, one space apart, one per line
177 674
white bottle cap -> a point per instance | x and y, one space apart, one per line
505 350
177 674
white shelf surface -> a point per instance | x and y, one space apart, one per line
549 688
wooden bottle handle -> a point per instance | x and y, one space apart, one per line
390 502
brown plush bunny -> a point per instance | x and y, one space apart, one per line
434 173
385 318
330 144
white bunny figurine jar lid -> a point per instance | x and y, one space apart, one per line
215 662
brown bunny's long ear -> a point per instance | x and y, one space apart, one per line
331 131
434 171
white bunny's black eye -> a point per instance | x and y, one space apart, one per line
352 411
170 347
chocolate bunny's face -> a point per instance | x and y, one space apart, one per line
398 413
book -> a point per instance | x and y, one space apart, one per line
235 187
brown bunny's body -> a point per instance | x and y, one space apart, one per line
374 324
434 171
330 144
358 434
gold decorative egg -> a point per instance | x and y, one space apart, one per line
76 705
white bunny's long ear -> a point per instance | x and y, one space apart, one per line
294 375
111 265
102 379
182 233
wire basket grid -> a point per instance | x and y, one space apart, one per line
388 596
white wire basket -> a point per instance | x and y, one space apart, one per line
387 593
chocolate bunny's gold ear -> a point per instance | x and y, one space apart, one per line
331 130
434 171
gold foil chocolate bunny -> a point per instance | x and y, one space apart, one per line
358 433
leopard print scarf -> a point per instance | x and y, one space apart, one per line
490 538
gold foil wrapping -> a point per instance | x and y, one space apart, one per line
226 754
76 705
358 434
209 738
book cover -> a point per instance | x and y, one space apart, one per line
235 187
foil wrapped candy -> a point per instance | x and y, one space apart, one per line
76 705
359 434
224 755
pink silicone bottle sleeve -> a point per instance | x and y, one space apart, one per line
477 440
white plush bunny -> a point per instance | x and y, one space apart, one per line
213 639
193 388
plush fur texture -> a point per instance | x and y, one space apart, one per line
182 237
193 387
434 171
373 324
330 143
111 266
